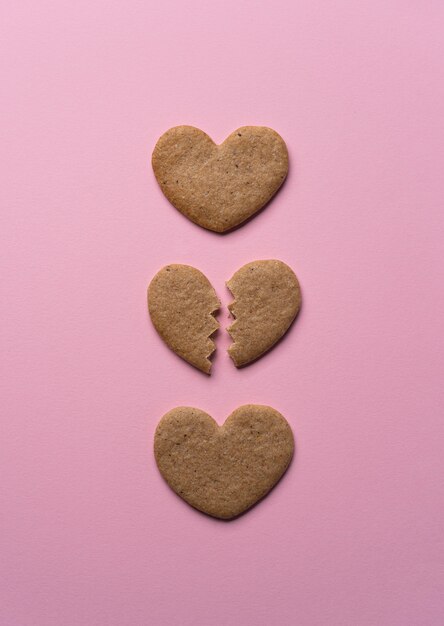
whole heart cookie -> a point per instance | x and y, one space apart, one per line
223 470
219 187
181 303
267 300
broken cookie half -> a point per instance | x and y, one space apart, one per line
267 299
181 304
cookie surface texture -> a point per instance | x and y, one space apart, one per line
223 470
220 186
267 298
181 303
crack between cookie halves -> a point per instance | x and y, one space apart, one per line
210 343
231 330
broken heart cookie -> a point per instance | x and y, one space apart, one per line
181 303
220 186
223 470
267 298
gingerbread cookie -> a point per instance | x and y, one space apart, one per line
181 303
220 186
267 300
223 470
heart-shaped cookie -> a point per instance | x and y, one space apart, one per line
181 303
267 300
223 470
219 187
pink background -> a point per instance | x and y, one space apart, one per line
91 534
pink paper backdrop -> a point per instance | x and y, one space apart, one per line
91 535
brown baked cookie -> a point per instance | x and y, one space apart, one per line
181 303
223 470
219 187
267 298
